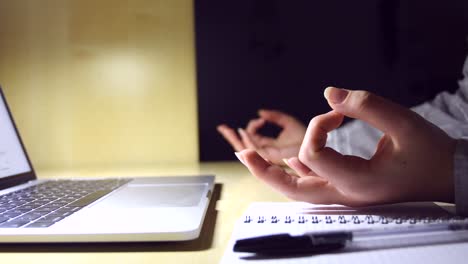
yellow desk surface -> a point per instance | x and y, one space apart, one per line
236 188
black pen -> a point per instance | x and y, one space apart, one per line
359 239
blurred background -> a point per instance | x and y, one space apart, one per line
101 83
282 54
145 82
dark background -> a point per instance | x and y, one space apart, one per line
281 54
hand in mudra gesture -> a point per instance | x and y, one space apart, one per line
412 161
285 145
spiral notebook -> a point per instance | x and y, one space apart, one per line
296 218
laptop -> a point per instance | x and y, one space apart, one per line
139 209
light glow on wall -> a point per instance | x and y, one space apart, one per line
123 73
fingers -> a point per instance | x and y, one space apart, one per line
383 114
311 189
279 118
301 169
316 134
271 174
254 125
247 140
351 173
231 136
250 143
326 162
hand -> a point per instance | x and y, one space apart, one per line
412 162
286 145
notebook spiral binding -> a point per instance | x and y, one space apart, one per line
349 219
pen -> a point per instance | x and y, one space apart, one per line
359 239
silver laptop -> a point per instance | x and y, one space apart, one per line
93 210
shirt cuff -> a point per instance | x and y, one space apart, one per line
461 177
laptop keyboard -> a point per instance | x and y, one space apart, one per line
47 203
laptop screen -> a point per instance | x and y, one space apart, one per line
13 159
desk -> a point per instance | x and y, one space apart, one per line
237 189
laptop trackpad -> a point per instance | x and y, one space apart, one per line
137 196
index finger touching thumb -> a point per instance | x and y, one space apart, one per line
381 113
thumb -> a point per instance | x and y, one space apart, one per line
380 113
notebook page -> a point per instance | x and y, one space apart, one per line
296 218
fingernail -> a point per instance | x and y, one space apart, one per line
335 95
238 155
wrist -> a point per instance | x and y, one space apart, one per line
447 176
460 177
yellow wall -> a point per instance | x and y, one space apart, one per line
101 82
